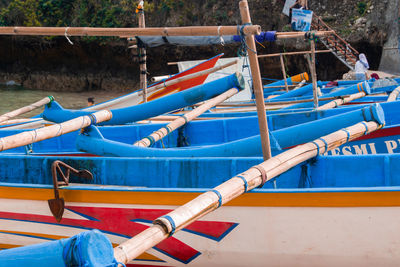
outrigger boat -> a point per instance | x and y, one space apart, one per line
299 208
338 206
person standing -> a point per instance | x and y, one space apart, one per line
361 68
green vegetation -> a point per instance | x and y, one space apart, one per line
361 7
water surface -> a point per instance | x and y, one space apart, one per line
14 97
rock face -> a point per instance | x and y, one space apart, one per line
54 64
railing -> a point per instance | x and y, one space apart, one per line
336 43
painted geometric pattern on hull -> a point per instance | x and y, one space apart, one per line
127 223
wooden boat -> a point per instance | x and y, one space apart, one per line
317 211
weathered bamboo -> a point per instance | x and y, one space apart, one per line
284 72
29 137
291 102
300 84
8 122
26 109
311 65
254 177
314 74
257 84
394 94
293 53
142 55
180 121
277 55
128 32
289 35
338 102
190 76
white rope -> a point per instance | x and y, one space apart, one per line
124 251
34 137
220 36
66 36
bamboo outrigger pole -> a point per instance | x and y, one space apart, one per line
182 120
257 84
26 109
29 137
256 176
338 102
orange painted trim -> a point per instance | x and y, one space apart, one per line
309 199
33 235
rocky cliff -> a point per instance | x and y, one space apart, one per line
108 64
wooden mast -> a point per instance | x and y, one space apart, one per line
314 74
257 84
142 53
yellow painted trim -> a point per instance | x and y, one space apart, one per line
325 199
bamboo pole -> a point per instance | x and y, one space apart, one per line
257 84
29 137
278 54
180 121
190 76
26 109
7 122
394 94
338 102
127 32
314 74
293 53
284 72
142 55
254 177
286 35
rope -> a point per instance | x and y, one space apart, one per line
219 197
348 134
66 36
246 185
316 146
326 144
263 174
172 223
366 127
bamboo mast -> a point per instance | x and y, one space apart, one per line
284 72
314 74
293 53
26 109
182 120
29 137
142 53
257 84
256 176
